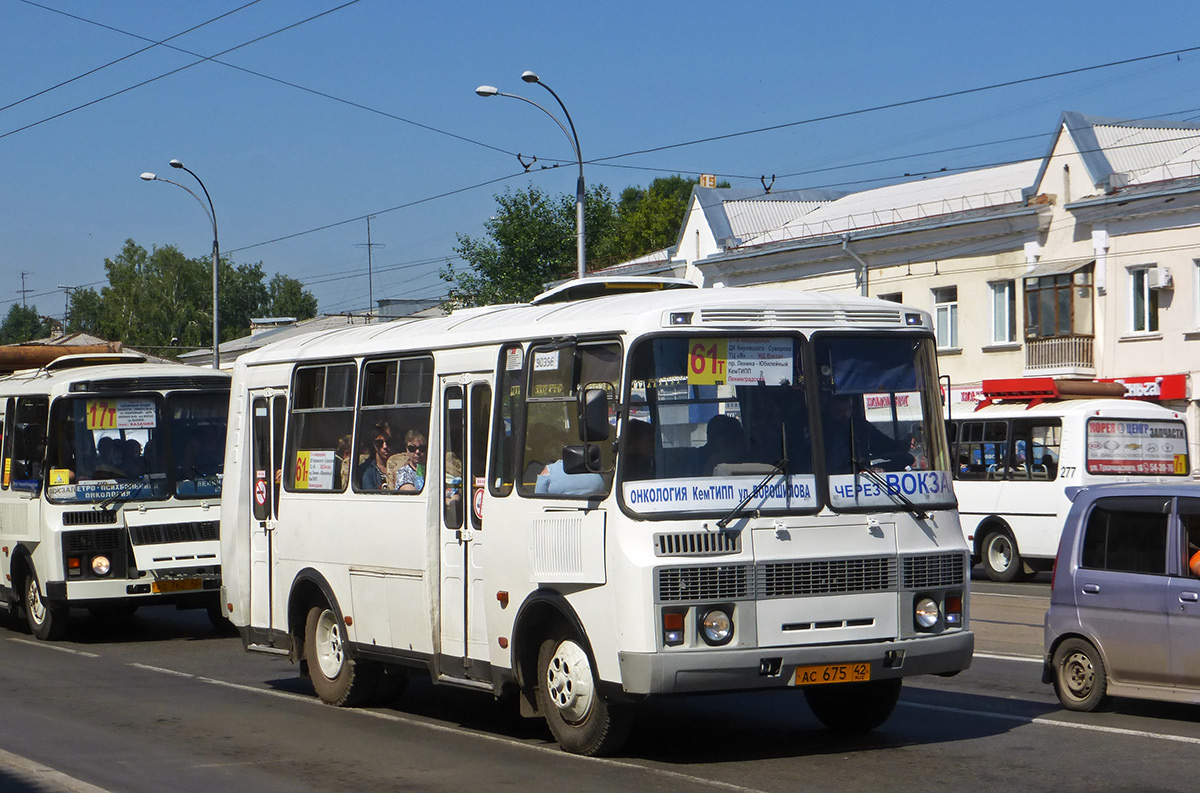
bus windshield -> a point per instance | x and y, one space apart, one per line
713 418
119 447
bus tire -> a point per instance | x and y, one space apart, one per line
854 707
336 676
1001 559
581 718
47 621
1079 676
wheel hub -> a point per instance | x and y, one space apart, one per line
1000 553
569 681
1078 675
330 652
37 609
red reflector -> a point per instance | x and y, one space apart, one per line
672 621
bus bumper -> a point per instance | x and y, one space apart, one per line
714 670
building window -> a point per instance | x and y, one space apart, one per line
893 297
1059 304
945 305
1143 302
1004 312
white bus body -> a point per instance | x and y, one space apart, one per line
641 576
1015 460
110 494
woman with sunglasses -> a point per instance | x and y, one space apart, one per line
375 475
411 478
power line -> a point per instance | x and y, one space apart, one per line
203 59
153 44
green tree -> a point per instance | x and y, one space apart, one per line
84 312
530 242
648 219
22 324
288 298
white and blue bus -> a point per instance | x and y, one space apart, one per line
111 487
623 489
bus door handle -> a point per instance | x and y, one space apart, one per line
466 534
1091 589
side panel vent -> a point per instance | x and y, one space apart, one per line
162 534
687 584
91 517
935 571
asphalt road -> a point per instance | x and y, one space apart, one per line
161 703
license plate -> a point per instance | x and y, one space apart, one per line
175 585
832 673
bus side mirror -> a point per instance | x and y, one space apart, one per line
593 410
582 459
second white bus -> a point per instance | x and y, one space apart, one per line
1027 442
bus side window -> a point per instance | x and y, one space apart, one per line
322 405
6 455
510 401
29 443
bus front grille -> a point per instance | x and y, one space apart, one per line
825 577
698 543
89 517
935 571
716 582
161 534
85 541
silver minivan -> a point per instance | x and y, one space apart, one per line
1124 616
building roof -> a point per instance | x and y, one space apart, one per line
737 212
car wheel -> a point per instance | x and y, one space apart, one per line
854 707
581 718
1001 560
1079 676
336 676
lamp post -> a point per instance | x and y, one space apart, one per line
573 137
216 250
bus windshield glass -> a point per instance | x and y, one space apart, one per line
713 417
118 447
880 410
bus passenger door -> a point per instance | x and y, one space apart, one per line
466 412
268 409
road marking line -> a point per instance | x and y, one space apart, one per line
41 777
46 646
552 750
1050 722
160 669
1029 659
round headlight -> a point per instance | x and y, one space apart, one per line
716 627
926 612
101 565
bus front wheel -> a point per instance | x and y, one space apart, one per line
578 714
47 621
1001 559
854 707
337 678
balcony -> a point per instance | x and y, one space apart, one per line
1060 355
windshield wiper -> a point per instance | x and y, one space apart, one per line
120 495
897 496
780 467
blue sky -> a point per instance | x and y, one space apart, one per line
284 161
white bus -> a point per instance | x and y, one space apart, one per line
1030 439
623 489
110 494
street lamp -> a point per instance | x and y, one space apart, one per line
216 250
573 137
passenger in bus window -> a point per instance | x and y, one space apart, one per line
453 492
342 461
872 448
725 443
553 480
374 476
411 478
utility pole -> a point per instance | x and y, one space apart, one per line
67 290
370 276
23 290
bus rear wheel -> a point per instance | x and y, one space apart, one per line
854 707
581 718
1001 559
47 621
336 676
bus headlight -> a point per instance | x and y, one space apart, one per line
101 565
926 613
716 627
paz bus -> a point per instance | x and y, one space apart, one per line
110 494
1028 440
626 488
